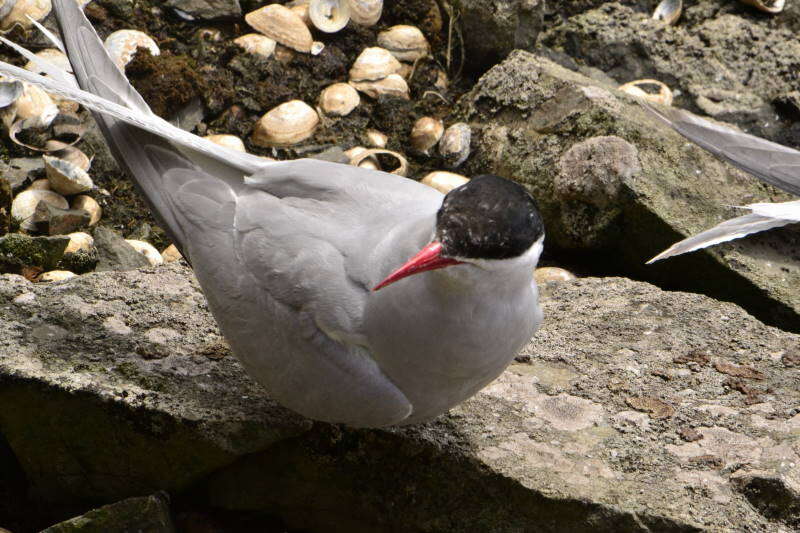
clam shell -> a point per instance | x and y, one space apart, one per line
546 274
365 12
147 250
391 85
773 8
57 275
329 16
22 9
79 242
35 106
40 185
425 133
377 139
286 124
454 144
69 153
228 141
374 63
10 91
401 170
90 205
284 26
66 178
170 254
5 7
444 181
664 95
366 162
255 43
668 10
123 44
338 99
51 55
300 7
24 205
406 43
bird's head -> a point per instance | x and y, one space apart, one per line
489 222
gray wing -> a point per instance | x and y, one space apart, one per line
771 162
729 230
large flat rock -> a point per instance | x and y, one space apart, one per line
637 410
617 187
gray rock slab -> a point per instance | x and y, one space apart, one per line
146 514
639 410
724 58
114 253
618 187
207 9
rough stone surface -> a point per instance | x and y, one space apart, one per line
723 58
114 253
149 514
52 220
618 187
207 9
625 418
491 29
19 251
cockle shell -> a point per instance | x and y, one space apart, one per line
546 274
374 63
454 144
79 242
365 162
228 141
391 85
170 254
66 178
40 185
284 26
24 205
21 10
255 43
406 43
123 44
147 250
90 205
69 153
376 139
300 7
57 275
774 8
425 133
34 106
444 181
669 11
338 99
401 170
286 124
329 16
365 12
664 95
51 55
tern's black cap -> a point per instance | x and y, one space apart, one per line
488 218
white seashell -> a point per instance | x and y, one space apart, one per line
147 250
365 12
24 205
362 155
69 153
426 133
286 124
5 7
22 9
669 11
170 254
374 63
40 185
66 178
90 205
300 7
35 106
51 55
664 95
365 162
377 139
255 43
123 44
444 181
392 85
79 242
767 7
406 71
284 26
454 144
338 99
546 274
228 141
329 16
406 43
57 275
